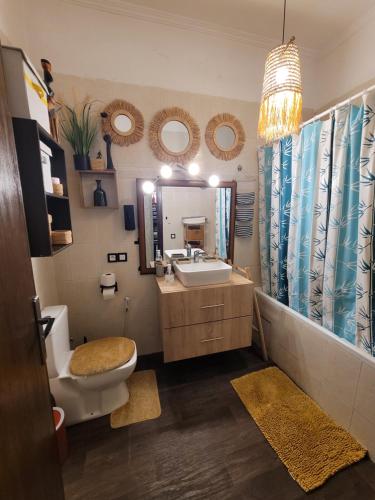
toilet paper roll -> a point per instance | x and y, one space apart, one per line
108 279
108 293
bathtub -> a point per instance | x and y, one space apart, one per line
339 376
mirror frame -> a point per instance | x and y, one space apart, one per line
160 150
143 269
111 112
228 120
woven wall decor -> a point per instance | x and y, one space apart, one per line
157 145
228 120
114 110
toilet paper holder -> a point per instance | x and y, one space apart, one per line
102 287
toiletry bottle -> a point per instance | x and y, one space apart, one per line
159 268
169 276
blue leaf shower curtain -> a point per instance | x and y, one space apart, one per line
316 222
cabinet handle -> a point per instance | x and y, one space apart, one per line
211 340
213 305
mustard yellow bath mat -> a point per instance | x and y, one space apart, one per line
309 443
143 404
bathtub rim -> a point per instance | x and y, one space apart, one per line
359 353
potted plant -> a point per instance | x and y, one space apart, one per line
79 129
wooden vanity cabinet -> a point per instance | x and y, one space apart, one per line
203 320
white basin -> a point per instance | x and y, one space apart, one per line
203 273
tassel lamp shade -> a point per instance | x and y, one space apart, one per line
281 107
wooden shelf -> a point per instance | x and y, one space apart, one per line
38 204
109 185
59 196
101 172
59 248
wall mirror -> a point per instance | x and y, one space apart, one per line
174 136
181 212
225 136
123 122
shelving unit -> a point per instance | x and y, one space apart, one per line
88 186
194 235
38 203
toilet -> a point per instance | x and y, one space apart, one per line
82 397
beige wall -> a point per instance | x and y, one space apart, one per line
143 50
99 231
45 281
348 68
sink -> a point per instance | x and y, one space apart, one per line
203 273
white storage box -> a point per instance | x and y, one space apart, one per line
27 93
46 154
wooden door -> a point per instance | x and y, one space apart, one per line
29 467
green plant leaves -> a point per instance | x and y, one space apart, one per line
79 127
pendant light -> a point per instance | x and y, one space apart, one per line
281 106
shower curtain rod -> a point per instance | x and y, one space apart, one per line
342 103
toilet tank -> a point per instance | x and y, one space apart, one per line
57 342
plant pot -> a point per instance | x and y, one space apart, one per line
81 162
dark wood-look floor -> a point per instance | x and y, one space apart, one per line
204 445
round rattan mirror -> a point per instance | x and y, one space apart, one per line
174 136
123 122
225 136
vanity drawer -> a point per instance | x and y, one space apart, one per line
206 338
206 304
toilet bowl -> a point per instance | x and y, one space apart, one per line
82 397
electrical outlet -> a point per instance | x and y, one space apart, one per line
122 257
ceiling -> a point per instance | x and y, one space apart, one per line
317 24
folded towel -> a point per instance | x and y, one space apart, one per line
245 198
194 220
244 230
244 213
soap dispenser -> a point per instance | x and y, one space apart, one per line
169 276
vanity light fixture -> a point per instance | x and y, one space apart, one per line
148 187
166 171
213 180
281 106
193 169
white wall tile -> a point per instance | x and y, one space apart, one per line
363 429
365 397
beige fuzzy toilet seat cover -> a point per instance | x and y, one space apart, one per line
99 356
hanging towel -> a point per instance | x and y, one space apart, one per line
194 220
244 213
245 198
244 230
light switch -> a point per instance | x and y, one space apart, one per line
111 257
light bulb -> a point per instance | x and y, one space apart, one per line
166 171
193 169
281 75
148 187
213 181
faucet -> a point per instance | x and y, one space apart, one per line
198 254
